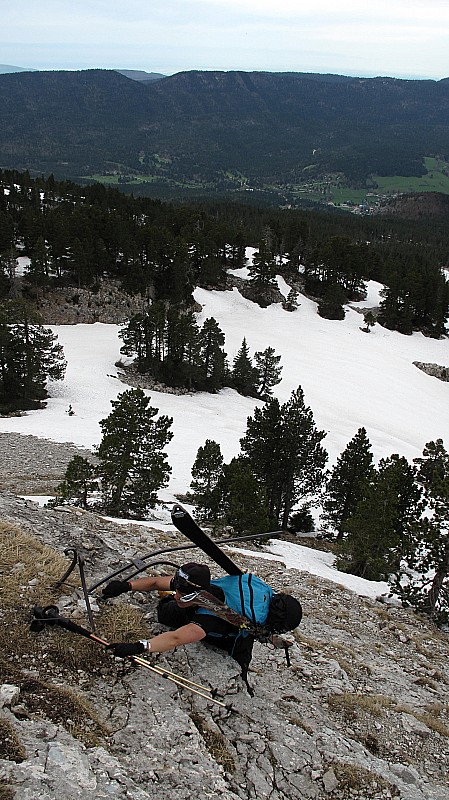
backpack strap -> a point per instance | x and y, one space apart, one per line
242 597
251 598
244 675
241 651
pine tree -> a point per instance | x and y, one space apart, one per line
244 376
206 475
422 578
268 372
395 310
334 262
344 486
133 466
243 499
39 267
29 357
283 447
331 306
291 301
301 520
8 265
211 356
370 320
379 528
181 348
262 271
79 481
133 337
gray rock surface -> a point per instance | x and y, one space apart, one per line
435 370
363 712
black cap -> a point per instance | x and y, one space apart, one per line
196 574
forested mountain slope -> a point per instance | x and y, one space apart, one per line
222 126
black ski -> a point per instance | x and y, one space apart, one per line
187 526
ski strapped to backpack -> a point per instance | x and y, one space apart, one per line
191 530
239 608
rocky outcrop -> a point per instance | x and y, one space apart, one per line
107 304
437 371
127 373
363 711
29 465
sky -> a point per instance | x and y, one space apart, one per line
396 38
350 379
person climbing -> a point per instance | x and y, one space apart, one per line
189 623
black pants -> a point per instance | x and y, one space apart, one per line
218 633
169 613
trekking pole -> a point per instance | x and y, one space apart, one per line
167 672
78 559
50 616
185 683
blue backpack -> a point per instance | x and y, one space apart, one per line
247 594
250 596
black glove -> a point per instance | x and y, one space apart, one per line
114 588
121 650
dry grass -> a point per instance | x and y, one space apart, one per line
383 613
58 703
299 723
122 622
64 707
6 792
432 722
57 654
215 743
354 778
294 720
10 745
24 558
349 704
307 642
424 681
67 651
431 644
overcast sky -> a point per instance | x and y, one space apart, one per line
399 38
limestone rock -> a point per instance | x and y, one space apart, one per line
343 722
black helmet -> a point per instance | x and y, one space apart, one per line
285 613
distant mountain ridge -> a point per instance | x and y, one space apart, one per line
6 68
221 128
140 75
134 74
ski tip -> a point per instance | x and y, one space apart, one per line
178 511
